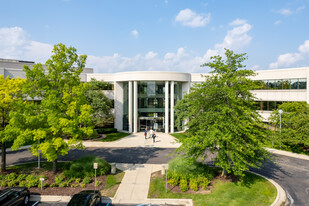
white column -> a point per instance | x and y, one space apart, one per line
130 99
172 106
166 107
135 106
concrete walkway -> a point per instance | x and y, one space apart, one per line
138 140
135 185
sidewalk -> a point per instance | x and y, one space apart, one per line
138 140
135 185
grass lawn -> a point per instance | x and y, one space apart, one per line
180 136
112 183
114 136
254 190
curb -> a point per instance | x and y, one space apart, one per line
281 198
288 154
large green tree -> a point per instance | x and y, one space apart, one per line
10 92
61 117
221 117
295 124
101 104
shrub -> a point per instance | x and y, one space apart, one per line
183 184
203 182
83 167
77 180
32 181
82 185
86 180
53 185
64 184
59 178
98 183
74 185
12 183
173 181
193 184
71 180
21 177
106 130
23 183
2 177
12 176
3 183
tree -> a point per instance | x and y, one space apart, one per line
101 105
295 124
62 113
10 91
222 118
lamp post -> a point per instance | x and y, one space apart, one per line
280 112
39 157
95 167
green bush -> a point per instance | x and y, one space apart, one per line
77 180
98 183
203 182
53 185
12 183
74 185
71 180
59 178
86 180
23 183
21 177
32 181
64 184
3 183
82 185
193 184
183 184
173 181
12 176
106 130
2 177
83 167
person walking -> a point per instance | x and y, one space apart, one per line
150 133
154 137
145 133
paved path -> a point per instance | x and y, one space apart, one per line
138 140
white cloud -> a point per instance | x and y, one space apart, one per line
16 44
151 55
134 33
235 39
285 12
300 8
278 22
187 17
290 59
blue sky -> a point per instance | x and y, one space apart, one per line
167 35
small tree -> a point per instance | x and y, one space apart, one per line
222 118
62 113
101 105
10 91
295 124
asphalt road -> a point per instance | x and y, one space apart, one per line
291 173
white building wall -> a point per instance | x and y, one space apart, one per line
281 95
118 105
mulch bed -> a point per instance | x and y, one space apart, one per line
64 191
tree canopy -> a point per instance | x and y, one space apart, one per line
221 117
10 92
101 105
61 110
295 123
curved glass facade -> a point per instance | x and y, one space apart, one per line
151 104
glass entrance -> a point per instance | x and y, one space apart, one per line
155 123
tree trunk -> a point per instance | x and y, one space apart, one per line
224 173
55 166
3 157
